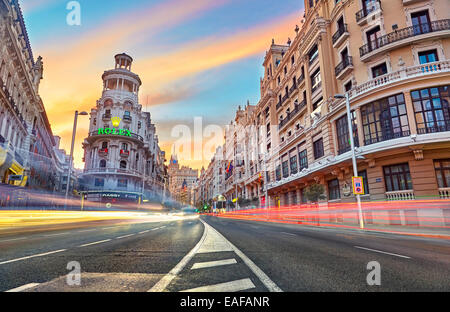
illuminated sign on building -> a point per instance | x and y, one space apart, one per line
114 131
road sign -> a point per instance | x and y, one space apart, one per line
358 185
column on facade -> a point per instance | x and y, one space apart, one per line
410 112
359 126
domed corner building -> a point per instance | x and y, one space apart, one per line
123 161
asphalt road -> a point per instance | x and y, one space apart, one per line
214 254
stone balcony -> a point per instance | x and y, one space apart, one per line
400 195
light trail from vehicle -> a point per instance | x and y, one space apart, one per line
412 214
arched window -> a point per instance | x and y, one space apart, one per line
125 146
102 163
123 164
104 145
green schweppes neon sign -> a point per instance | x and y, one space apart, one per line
114 131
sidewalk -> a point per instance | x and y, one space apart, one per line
413 230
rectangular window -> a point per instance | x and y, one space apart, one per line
379 70
373 36
278 173
318 148
348 86
315 80
397 177
317 103
363 174
285 166
333 189
385 119
432 110
303 159
303 198
313 54
99 182
421 22
122 183
428 56
442 169
293 163
342 133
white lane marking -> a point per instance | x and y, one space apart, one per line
384 252
270 285
161 227
165 281
23 287
13 239
33 256
95 243
233 286
110 227
144 232
155 229
202 265
87 231
288 233
49 235
124 236
214 243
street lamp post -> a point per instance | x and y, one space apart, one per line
71 152
352 146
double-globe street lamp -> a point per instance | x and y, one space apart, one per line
352 146
71 152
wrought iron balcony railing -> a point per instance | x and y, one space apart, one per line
341 30
347 61
404 33
366 11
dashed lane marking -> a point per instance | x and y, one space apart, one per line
239 285
95 243
124 236
33 256
144 232
383 252
288 233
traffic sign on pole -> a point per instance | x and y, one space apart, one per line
358 185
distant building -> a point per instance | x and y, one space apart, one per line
181 181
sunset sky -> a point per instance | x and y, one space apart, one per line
195 58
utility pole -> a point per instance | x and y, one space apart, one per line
352 146
69 173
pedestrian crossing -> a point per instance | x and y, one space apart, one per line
224 268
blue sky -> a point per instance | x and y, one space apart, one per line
195 58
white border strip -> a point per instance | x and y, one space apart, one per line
23 287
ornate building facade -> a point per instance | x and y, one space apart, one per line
123 160
392 58
26 140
